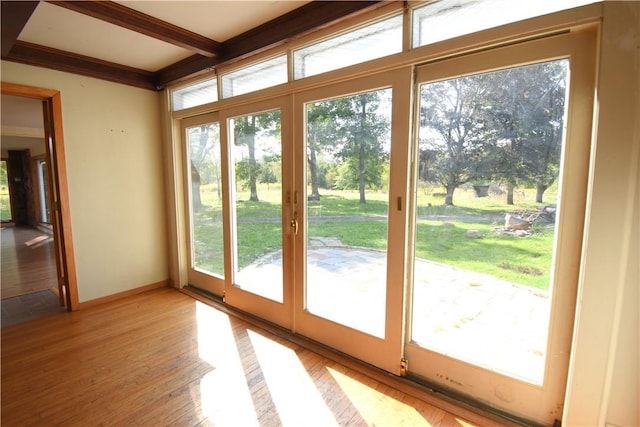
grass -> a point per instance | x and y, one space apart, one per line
5 206
523 260
441 231
254 241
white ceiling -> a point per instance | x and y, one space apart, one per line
63 29
60 28
217 20
22 123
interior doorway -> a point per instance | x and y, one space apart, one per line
29 275
37 251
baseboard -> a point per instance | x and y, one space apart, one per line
45 228
120 295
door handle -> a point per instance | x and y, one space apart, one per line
294 224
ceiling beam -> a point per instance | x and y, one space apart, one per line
307 18
300 21
184 70
42 56
15 15
310 17
142 23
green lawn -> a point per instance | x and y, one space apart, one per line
441 231
5 207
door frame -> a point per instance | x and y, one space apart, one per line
513 395
197 278
61 219
279 313
385 353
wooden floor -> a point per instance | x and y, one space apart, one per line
164 358
28 263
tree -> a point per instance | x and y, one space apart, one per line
527 109
246 169
267 176
202 155
246 129
547 119
453 122
504 125
323 133
506 107
365 132
4 182
352 130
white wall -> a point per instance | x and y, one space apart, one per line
113 143
604 374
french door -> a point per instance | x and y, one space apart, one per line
426 220
258 152
237 167
204 189
352 185
496 242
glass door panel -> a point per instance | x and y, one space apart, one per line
205 203
259 251
348 149
490 149
43 192
350 247
497 224
256 151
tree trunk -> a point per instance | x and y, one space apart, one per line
253 169
361 184
540 189
196 202
218 183
510 188
448 199
361 155
313 171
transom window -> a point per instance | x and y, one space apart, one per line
196 94
373 41
260 75
433 22
445 19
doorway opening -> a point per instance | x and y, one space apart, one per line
38 269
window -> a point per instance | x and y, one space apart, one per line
446 19
5 201
43 192
205 198
195 94
261 75
363 44
495 141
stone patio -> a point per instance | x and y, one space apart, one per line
470 316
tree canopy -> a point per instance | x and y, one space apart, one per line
247 131
354 133
505 126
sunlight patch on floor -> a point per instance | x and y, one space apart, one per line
38 241
378 408
293 392
224 395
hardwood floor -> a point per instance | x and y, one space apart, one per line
28 261
164 358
